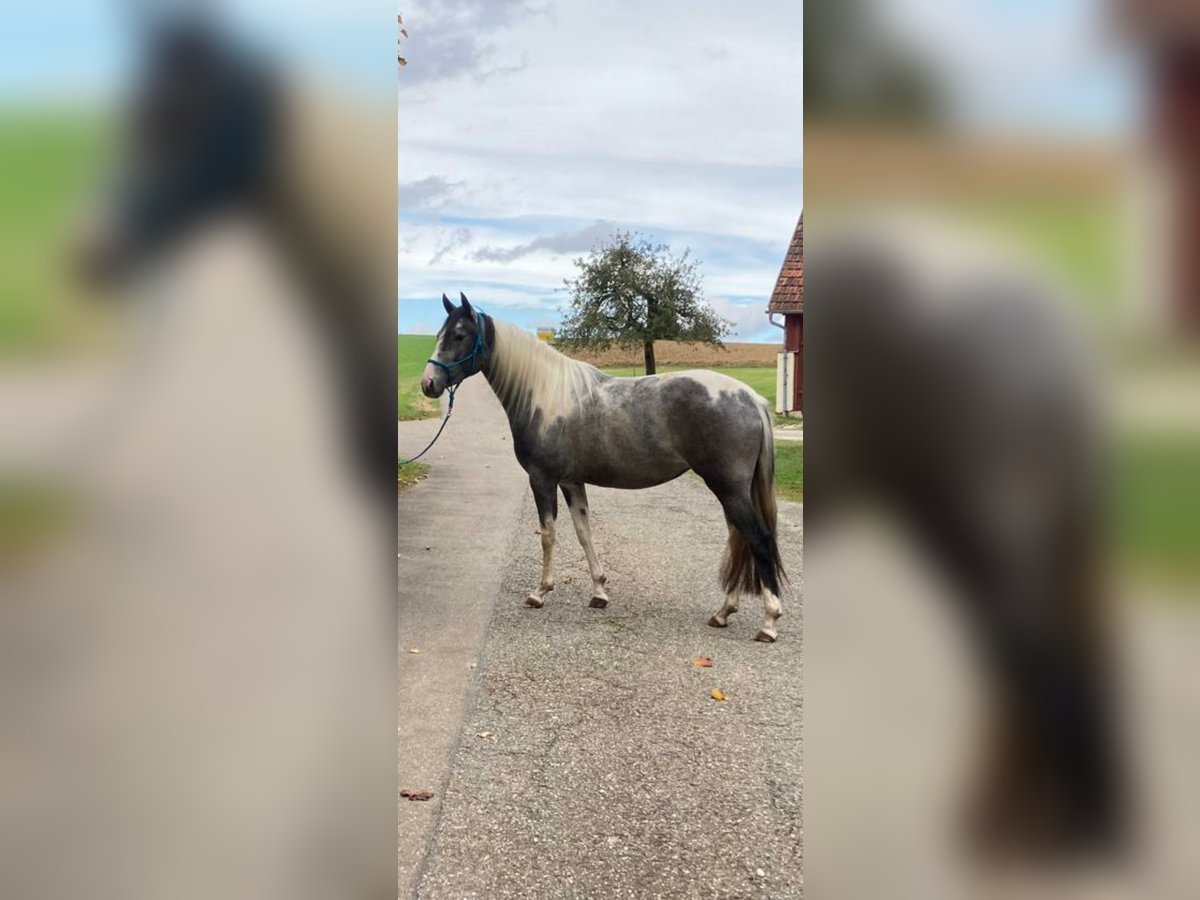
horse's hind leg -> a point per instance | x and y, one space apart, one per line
733 598
576 497
750 547
720 618
545 496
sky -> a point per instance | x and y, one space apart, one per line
82 50
529 131
1051 67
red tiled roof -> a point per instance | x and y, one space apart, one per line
788 295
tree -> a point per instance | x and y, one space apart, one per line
631 292
860 72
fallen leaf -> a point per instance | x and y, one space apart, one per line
568 579
416 795
484 734
717 694
414 650
702 662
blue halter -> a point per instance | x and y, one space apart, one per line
477 353
475 357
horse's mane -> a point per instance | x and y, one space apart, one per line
528 375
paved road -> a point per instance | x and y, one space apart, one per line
608 770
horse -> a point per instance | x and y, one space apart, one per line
573 425
214 131
208 500
951 387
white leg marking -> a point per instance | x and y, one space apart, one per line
772 610
583 531
537 597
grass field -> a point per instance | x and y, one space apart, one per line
409 474
412 350
733 354
1156 506
789 469
1080 241
48 166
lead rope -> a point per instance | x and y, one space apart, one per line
449 410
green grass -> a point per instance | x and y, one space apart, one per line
33 512
1156 506
412 350
49 166
1079 239
789 470
408 474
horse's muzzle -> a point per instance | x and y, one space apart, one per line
431 383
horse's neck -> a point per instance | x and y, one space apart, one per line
327 205
528 377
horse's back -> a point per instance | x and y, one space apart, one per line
638 432
712 420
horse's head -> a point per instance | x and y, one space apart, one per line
198 137
461 349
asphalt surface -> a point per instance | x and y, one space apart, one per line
577 752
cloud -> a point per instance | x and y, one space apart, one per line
459 237
457 38
647 117
425 192
564 242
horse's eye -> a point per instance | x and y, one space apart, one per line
459 337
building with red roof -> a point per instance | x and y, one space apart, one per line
787 300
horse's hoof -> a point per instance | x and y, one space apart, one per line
534 602
598 602
717 623
765 638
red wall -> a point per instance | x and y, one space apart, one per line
793 339
1176 118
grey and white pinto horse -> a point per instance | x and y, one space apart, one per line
574 425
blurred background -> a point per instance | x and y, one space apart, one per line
197 293
197 262
1001 644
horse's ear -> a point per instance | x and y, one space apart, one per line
466 304
446 303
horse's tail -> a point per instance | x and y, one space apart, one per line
740 572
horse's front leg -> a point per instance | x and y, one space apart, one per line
576 497
545 496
